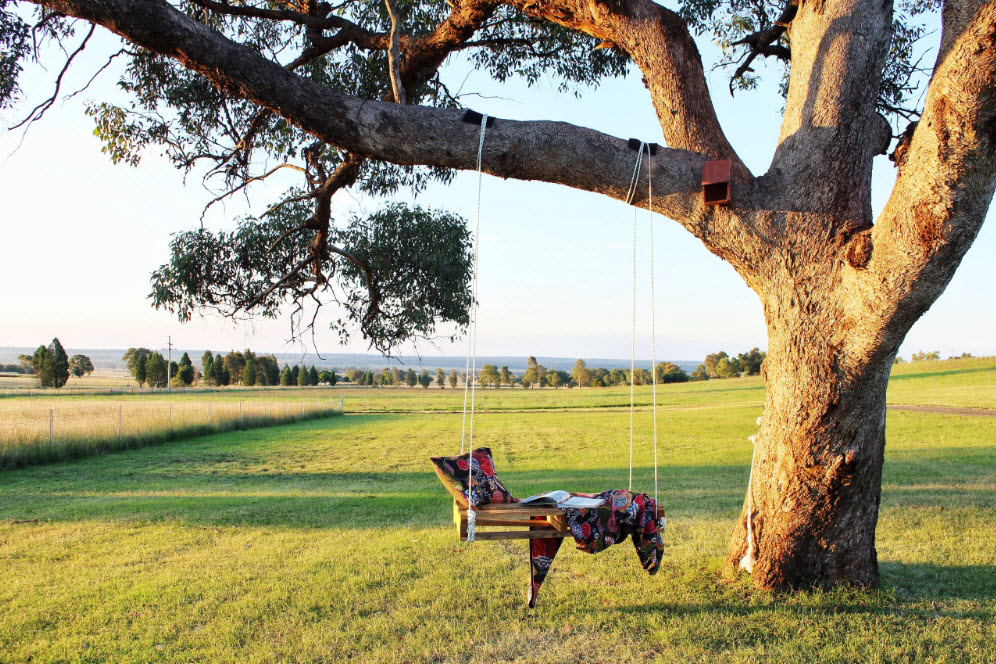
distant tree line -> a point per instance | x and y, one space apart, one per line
720 365
302 376
932 356
717 365
395 377
243 368
51 365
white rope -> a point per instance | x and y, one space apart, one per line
635 177
632 356
653 318
747 562
471 368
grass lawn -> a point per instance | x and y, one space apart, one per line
331 541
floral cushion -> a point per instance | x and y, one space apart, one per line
486 489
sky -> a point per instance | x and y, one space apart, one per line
81 236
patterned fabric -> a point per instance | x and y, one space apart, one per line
541 555
625 514
487 488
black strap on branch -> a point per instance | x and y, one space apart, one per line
474 118
634 144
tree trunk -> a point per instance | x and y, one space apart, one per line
816 474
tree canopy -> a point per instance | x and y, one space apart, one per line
399 272
80 365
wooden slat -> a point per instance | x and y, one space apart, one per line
512 522
547 522
523 520
514 509
559 523
515 534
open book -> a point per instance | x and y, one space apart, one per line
561 499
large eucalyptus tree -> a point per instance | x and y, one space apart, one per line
350 95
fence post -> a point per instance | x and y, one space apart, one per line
119 424
210 417
264 410
241 420
285 407
302 407
171 417
51 423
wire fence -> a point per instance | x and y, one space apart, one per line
30 434
95 390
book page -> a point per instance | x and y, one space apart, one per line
548 498
578 501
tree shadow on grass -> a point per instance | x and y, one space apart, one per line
913 590
334 500
929 581
362 500
932 374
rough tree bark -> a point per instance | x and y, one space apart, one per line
839 292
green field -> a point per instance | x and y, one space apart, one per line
331 541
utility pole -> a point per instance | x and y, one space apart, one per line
169 365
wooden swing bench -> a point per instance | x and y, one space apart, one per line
539 521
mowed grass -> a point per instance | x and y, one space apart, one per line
331 541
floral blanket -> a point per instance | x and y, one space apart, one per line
624 514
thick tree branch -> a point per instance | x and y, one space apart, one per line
948 172
659 42
831 130
425 55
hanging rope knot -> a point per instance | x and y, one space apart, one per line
750 558
636 175
471 524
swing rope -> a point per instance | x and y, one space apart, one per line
632 356
469 383
631 194
470 387
653 314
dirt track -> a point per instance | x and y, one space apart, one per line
947 410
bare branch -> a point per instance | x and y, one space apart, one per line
246 183
39 111
98 73
947 173
763 41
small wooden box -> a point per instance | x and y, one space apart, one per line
716 182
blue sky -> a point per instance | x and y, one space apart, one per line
81 238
